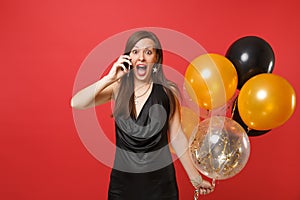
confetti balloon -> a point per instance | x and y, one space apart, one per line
219 147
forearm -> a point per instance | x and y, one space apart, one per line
86 97
180 145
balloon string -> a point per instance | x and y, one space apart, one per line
196 194
248 129
232 113
234 107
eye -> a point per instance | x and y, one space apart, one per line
148 52
134 51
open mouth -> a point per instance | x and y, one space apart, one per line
141 70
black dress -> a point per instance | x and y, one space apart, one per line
143 167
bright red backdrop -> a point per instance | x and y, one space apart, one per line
43 44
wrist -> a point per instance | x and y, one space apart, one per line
108 78
196 181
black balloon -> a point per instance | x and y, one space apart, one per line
236 117
250 55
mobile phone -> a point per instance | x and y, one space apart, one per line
126 64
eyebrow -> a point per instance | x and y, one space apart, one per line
144 48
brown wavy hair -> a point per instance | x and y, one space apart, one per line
126 89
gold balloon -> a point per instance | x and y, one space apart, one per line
266 101
219 147
189 120
211 80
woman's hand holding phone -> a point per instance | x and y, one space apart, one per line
120 67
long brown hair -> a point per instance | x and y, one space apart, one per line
126 89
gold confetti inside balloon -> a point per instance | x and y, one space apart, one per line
219 147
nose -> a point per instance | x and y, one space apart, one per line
141 56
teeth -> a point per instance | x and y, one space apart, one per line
141 66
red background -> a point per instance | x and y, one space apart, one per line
43 44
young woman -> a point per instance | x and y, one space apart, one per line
147 115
